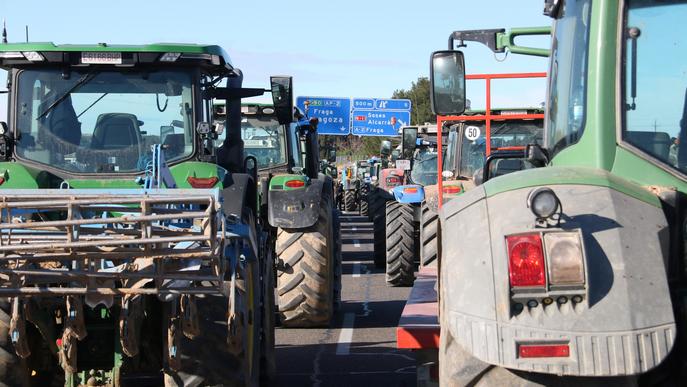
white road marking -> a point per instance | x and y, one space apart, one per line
343 347
356 243
356 269
354 228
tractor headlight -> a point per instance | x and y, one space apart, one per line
566 258
543 202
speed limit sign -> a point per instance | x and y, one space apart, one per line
472 133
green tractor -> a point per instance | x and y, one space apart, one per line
573 272
296 204
131 249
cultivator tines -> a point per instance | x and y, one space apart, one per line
84 242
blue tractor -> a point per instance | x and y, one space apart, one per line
419 159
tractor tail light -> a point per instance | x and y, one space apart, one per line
202 182
295 183
2 180
543 350
451 189
393 180
566 260
526 260
410 190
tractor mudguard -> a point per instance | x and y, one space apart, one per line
619 321
239 192
406 194
297 208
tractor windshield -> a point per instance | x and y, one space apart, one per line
655 81
264 138
424 170
504 134
92 121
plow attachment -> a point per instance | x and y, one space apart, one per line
96 242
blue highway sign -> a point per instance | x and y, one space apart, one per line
392 104
379 122
334 113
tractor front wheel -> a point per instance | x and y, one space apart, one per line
349 201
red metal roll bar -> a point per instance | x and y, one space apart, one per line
487 117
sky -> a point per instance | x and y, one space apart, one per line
351 48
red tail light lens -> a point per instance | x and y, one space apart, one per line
410 190
393 180
2 180
526 260
544 350
451 189
202 182
295 183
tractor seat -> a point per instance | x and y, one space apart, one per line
117 135
116 131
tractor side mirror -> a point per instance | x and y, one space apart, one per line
282 98
447 83
385 149
394 154
331 155
409 142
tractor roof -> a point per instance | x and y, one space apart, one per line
19 54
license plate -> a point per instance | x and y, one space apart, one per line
101 57
403 164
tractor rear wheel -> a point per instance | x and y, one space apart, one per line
306 282
379 229
349 201
337 260
428 236
363 203
400 244
372 204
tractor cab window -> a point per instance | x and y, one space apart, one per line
95 121
568 76
655 81
504 134
265 139
295 144
450 153
424 170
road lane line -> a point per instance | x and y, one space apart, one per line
356 269
343 347
354 228
356 243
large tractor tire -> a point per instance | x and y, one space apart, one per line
349 201
306 281
337 260
268 366
400 244
216 356
13 370
379 230
372 204
428 236
363 204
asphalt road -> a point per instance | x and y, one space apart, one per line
359 349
